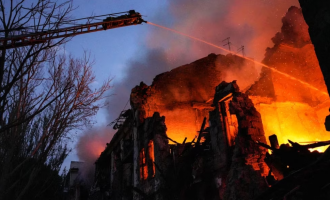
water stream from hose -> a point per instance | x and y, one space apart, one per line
250 59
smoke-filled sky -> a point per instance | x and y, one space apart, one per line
138 53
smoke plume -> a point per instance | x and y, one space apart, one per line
250 23
89 147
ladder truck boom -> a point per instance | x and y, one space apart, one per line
131 18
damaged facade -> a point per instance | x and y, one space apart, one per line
193 134
153 166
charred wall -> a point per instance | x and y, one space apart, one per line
127 168
114 167
238 161
184 94
153 158
224 162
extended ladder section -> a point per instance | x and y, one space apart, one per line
131 18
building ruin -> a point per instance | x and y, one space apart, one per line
193 135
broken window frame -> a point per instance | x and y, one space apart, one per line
151 159
143 167
228 120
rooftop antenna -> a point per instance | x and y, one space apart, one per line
228 42
241 49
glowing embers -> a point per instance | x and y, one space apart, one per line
147 163
293 121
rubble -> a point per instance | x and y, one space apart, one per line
301 174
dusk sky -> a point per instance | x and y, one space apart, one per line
138 53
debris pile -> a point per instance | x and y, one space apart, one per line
298 172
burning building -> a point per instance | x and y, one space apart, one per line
194 134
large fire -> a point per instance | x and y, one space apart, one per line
293 121
294 110
291 95
182 123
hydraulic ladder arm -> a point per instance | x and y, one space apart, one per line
131 18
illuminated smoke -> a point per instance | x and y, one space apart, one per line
90 146
250 23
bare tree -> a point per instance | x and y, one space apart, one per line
43 139
43 96
19 18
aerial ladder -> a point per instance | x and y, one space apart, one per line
115 20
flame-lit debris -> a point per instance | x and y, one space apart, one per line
291 157
301 174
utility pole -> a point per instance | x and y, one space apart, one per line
241 49
228 42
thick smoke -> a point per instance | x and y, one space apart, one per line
294 30
243 73
145 68
250 23
89 147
